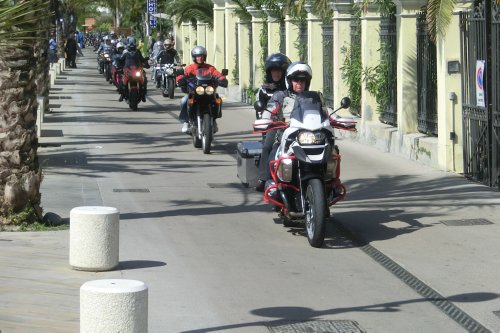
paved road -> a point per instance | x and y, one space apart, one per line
210 251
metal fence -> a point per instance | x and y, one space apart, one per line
480 46
426 79
388 41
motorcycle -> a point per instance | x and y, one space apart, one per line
136 85
167 73
306 167
204 105
105 64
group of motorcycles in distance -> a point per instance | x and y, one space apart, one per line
131 84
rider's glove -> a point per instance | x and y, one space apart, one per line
182 82
222 82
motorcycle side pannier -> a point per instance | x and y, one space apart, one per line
248 160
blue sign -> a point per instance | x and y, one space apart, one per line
152 10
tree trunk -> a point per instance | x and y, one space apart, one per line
20 173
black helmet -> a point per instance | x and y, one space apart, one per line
197 51
131 47
298 69
275 61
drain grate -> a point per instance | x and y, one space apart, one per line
466 222
318 326
137 190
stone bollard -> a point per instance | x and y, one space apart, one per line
94 238
113 305
39 115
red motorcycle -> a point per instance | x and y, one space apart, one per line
134 82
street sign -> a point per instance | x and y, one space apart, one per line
152 10
480 83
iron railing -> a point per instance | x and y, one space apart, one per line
388 52
426 79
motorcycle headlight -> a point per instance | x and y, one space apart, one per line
209 90
285 170
106 55
311 138
200 90
170 71
138 74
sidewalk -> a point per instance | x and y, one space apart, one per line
435 226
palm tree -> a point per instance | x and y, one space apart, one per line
192 11
20 173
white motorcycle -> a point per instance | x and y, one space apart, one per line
306 168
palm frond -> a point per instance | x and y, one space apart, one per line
439 13
18 22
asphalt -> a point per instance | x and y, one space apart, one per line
436 231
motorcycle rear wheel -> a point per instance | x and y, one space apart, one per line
207 134
315 208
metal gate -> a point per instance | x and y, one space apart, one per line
480 49
426 79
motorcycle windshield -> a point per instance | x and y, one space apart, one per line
203 75
308 111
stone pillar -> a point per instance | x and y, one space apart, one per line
314 49
450 151
257 51
342 17
370 58
231 42
186 42
201 34
244 61
292 35
406 16
216 53
273 32
179 40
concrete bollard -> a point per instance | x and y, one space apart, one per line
39 115
113 305
94 238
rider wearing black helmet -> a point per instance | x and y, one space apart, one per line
275 67
132 57
297 80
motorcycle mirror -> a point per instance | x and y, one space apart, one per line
225 72
345 102
258 106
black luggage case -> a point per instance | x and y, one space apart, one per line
248 159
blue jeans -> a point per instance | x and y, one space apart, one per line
183 116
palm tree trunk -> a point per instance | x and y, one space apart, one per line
20 173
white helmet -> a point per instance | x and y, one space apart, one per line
298 69
120 45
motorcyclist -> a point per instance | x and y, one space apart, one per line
275 66
132 58
118 67
168 55
297 80
105 46
199 56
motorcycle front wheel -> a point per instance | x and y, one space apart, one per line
171 87
315 211
164 87
133 99
207 134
